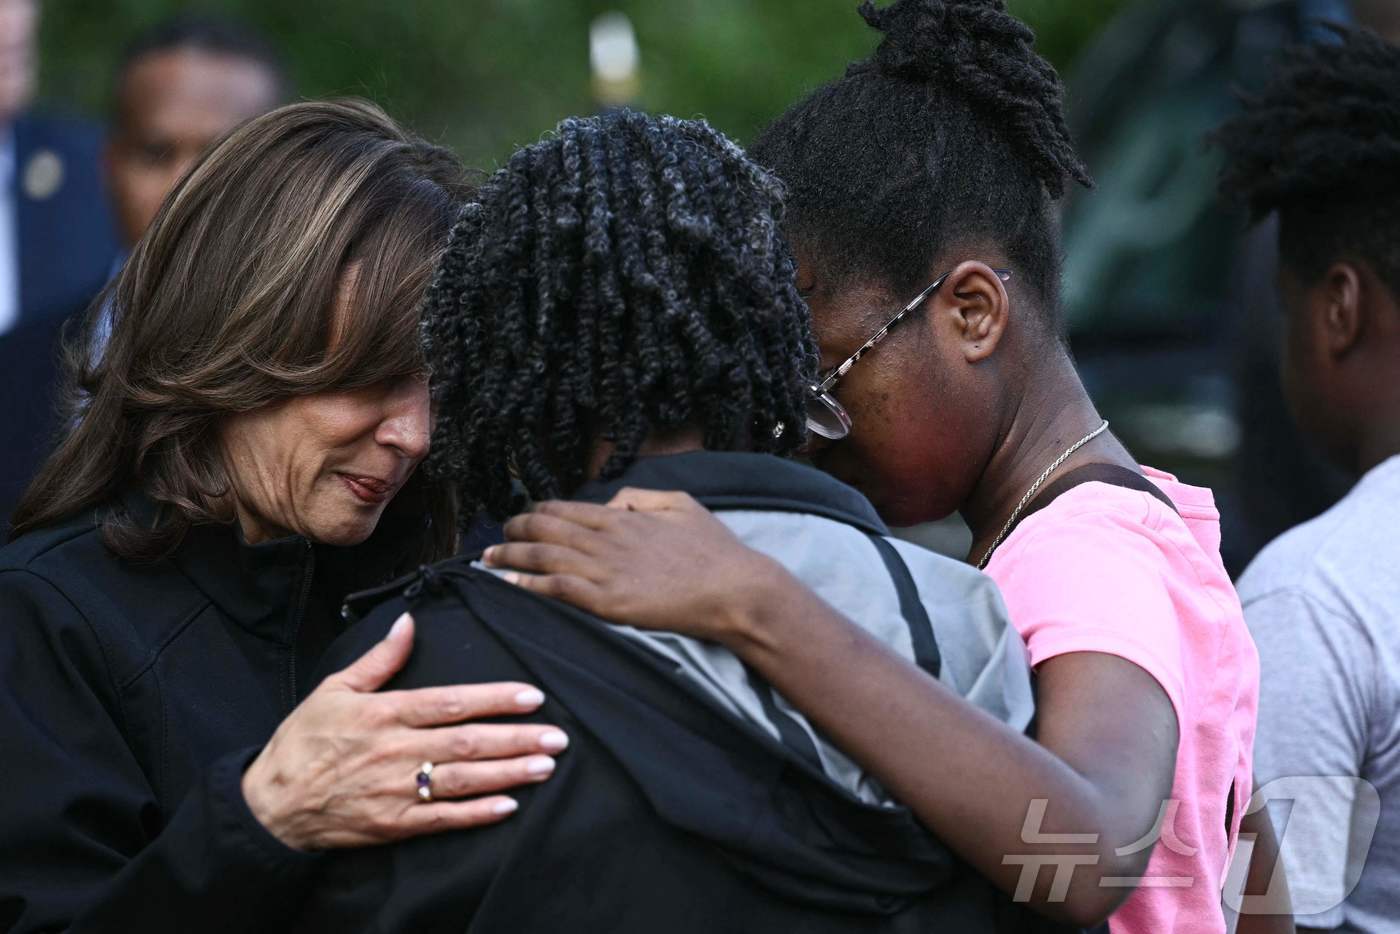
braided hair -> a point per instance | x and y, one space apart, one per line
622 278
1321 146
952 132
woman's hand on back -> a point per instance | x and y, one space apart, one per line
634 561
340 770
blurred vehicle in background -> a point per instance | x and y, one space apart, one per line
1169 301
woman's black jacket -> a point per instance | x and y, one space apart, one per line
131 699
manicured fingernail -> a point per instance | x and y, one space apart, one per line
399 626
510 577
530 698
505 807
489 555
554 740
540 765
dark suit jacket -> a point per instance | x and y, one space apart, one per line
29 418
67 250
67 240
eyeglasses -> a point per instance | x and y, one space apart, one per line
829 418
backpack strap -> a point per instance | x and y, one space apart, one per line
921 636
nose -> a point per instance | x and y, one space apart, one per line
407 424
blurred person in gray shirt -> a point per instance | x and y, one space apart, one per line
1320 148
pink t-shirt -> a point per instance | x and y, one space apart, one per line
1113 570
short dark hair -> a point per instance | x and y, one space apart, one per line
952 131
1321 146
624 277
205 32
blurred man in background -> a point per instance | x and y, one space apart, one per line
180 86
1282 479
56 244
1320 149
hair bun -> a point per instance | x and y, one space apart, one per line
924 38
979 51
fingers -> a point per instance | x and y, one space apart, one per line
638 500
456 703
456 780
576 591
588 515
487 741
539 559
371 670
549 530
439 816
470 779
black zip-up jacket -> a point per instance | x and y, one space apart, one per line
669 812
131 700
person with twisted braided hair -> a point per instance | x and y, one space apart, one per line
1320 149
625 329
922 212
618 308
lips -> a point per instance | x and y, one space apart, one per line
370 490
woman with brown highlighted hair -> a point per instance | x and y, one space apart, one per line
241 454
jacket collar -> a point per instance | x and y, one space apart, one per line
722 480
256 585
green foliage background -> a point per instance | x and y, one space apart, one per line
486 75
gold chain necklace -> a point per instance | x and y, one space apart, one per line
1015 513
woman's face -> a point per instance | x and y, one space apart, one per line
324 466
916 421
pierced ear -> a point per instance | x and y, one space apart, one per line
1343 319
976 298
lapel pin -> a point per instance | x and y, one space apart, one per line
43 175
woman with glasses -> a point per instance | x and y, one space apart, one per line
932 170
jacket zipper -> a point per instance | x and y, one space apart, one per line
306 579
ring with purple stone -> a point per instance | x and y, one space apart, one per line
424 779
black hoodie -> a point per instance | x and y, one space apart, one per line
669 812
